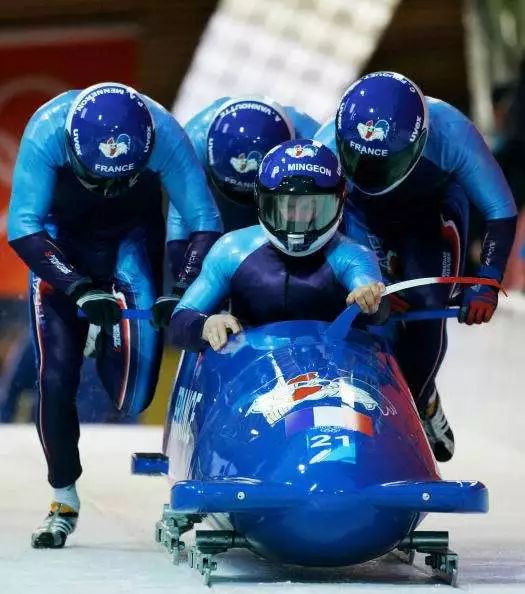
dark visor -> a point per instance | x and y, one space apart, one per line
374 175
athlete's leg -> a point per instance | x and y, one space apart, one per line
439 250
129 358
59 337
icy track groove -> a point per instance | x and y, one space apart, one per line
113 551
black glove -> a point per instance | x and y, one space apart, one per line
101 308
162 310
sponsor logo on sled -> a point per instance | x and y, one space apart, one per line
299 151
114 148
187 400
287 394
245 163
370 131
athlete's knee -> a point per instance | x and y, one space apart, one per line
60 384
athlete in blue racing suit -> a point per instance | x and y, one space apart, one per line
230 137
414 165
293 265
86 217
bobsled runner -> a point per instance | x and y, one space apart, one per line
303 438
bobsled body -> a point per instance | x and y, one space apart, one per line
311 445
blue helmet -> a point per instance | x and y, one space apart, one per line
300 196
109 137
242 131
381 130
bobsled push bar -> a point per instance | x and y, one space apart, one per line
338 329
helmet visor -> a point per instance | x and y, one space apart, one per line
298 213
376 175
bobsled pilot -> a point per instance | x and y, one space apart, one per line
86 217
414 165
293 265
230 138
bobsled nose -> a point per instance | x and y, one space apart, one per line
327 528
325 524
318 525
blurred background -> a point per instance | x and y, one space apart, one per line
301 52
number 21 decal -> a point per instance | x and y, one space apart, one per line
330 448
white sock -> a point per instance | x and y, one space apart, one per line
67 495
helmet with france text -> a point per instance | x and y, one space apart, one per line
381 130
300 196
109 137
242 131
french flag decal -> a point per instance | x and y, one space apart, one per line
328 416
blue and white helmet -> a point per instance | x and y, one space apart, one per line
300 196
242 131
109 137
381 130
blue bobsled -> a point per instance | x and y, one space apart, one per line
306 440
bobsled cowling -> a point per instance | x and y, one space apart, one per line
310 443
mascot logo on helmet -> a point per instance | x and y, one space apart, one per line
370 131
245 163
114 148
299 151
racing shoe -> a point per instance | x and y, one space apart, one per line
438 430
59 524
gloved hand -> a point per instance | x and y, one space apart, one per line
162 310
478 305
101 308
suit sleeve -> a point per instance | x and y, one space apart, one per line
354 265
480 175
185 183
202 298
31 198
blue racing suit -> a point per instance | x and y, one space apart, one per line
69 237
420 229
265 285
234 215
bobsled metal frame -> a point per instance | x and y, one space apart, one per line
434 544
170 528
208 543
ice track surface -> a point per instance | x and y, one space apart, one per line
113 551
